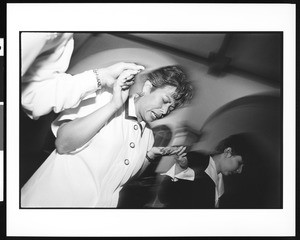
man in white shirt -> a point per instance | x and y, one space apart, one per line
196 179
45 84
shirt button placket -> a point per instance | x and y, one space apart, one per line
126 161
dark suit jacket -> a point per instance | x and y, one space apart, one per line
199 193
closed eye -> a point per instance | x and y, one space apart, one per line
166 100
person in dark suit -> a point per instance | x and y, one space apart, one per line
196 179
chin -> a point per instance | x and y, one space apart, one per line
149 118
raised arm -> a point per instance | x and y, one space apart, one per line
32 44
46 88
76 133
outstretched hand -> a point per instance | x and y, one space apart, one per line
109 74
166 151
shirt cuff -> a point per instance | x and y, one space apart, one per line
90 83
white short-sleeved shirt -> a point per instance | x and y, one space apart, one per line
93 175
46 86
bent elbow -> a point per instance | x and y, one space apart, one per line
61 148
32 104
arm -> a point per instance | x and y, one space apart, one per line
32 44
180 169
58 93
76 133
156 152
64 91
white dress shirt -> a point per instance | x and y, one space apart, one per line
211 171
189 174
93 175
46 86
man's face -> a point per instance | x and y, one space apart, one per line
156 104
231 164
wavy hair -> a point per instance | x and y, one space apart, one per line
174 76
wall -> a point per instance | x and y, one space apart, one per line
260 184
212 91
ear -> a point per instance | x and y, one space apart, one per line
147 87
228 151
240 169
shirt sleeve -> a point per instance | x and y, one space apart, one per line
61 92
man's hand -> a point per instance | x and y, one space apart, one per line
109 74
181 159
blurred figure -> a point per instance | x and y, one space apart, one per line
101 144
141 190
46 86
196 180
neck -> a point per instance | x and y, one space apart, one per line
136 104
217 159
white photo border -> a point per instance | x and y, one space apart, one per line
150 17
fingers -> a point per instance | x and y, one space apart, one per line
166 151
126 85
181 150
132 66
156 150
126 78
127 75
173 150
177 150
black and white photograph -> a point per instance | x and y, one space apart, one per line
151 120
148 122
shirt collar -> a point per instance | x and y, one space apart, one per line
187 174
130 112
211 171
